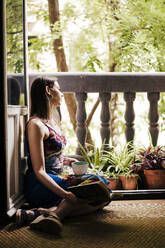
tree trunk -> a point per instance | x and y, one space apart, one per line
54 16
114 96
113 105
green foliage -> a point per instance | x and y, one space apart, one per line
151 158
120 161
161 108
135 30
70 11
91 64
139 35
39 10
14 28
95 157
85 36
39 45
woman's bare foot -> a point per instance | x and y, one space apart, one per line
30 214
50 211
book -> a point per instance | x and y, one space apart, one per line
94 192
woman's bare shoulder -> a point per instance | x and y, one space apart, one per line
36 124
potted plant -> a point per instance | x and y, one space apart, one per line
121 162
95 158
98 164
152 163
114 179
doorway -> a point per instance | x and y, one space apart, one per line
14 103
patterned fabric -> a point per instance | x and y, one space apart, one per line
53 147
73 180
54 144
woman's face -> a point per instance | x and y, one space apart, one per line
56 94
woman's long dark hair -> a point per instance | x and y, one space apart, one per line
39 97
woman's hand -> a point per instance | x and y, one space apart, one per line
71 197
68 161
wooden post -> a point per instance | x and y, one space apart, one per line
81 120
105 117
129 116
153 116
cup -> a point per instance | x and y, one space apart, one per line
79 167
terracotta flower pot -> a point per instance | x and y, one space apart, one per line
155 179
114 184
129 182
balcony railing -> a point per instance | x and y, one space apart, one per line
105 83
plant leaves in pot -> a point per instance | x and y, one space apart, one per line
152 162
121 161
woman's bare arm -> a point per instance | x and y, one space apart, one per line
36 134
68 161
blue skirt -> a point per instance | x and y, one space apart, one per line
37 195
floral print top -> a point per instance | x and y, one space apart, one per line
53 147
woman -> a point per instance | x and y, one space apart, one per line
45 188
